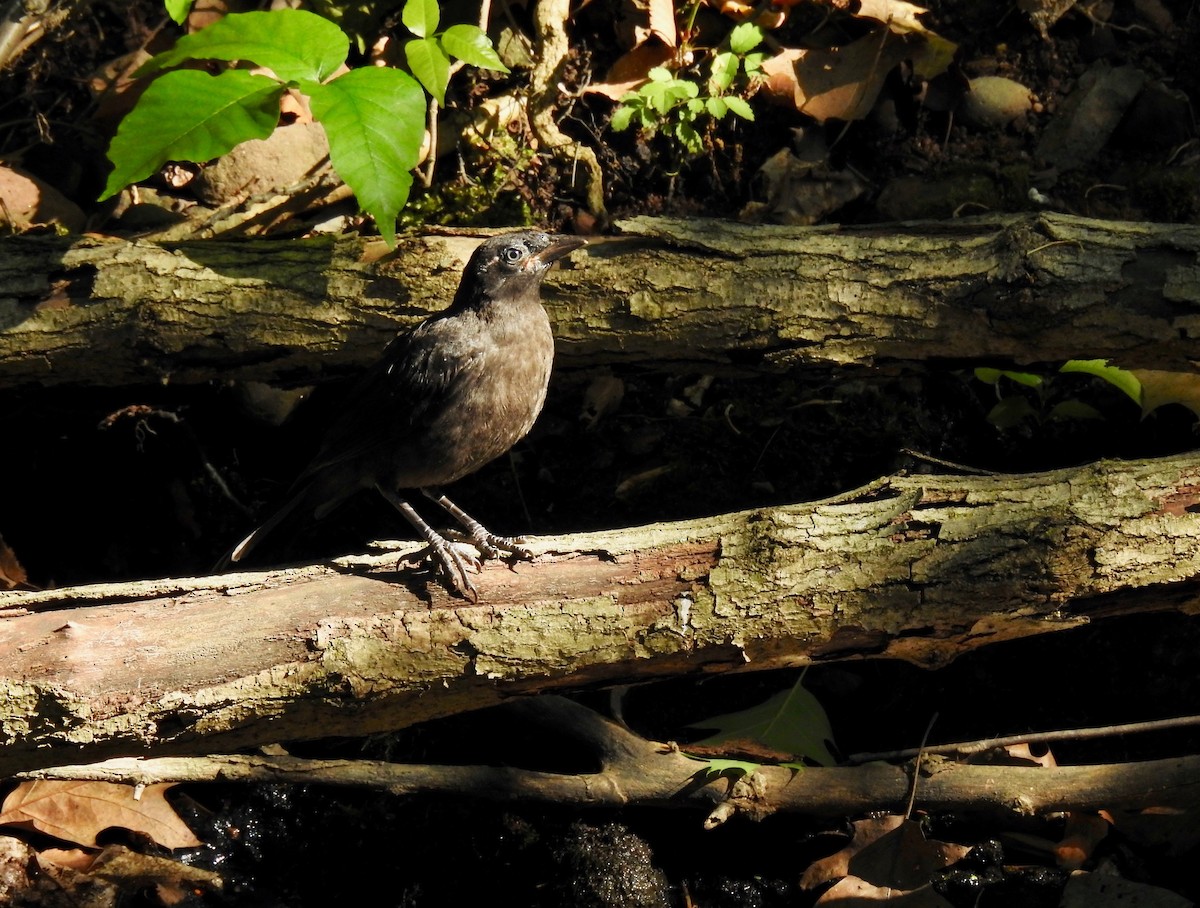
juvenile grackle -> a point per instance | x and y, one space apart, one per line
446 398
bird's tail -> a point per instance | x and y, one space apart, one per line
256 536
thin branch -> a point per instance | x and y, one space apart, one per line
1043 737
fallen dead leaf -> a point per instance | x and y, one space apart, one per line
889 852
79 811
852 892
631 70
11 573
1160 388
1083 832
840 82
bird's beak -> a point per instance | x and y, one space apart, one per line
559 246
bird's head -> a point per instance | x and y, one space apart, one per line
515 262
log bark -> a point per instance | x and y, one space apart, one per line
683 294
912 567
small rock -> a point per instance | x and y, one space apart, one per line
994 101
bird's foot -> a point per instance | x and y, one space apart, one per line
489 545
451 560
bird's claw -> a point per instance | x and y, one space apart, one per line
491 546
451 561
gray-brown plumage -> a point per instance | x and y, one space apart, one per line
446 398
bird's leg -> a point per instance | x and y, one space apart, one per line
489 544
448 560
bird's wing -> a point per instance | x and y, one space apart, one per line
397 395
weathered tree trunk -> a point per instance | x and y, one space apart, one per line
691 294
914 567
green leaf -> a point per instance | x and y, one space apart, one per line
430 65
375 120
421 17
621 118
724 71
1119 378
991 376
1074 409
660 74
292 43
688 137
659 96
733 768
189 115
716 107
752 63
471 44
745 37
740 107
792 722
1011 412
178 10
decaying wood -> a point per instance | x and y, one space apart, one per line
685 294
912 567
635 772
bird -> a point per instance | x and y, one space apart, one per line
444 399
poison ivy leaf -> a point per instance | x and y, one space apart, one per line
292 43
991 376
740 107
472 45
1119 378
375 120
745 37
791 724
189 115
421 17
430 65
178 10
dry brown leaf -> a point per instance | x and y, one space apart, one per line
1160 388
896 13
75 858
852 892
661 16
631 70
79 811
1083 832
889 851
11 573
839 83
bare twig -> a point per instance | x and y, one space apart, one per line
1072 734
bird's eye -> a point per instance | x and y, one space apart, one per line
513 254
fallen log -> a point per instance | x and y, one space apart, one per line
694 295
912 567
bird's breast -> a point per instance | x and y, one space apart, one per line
495 396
